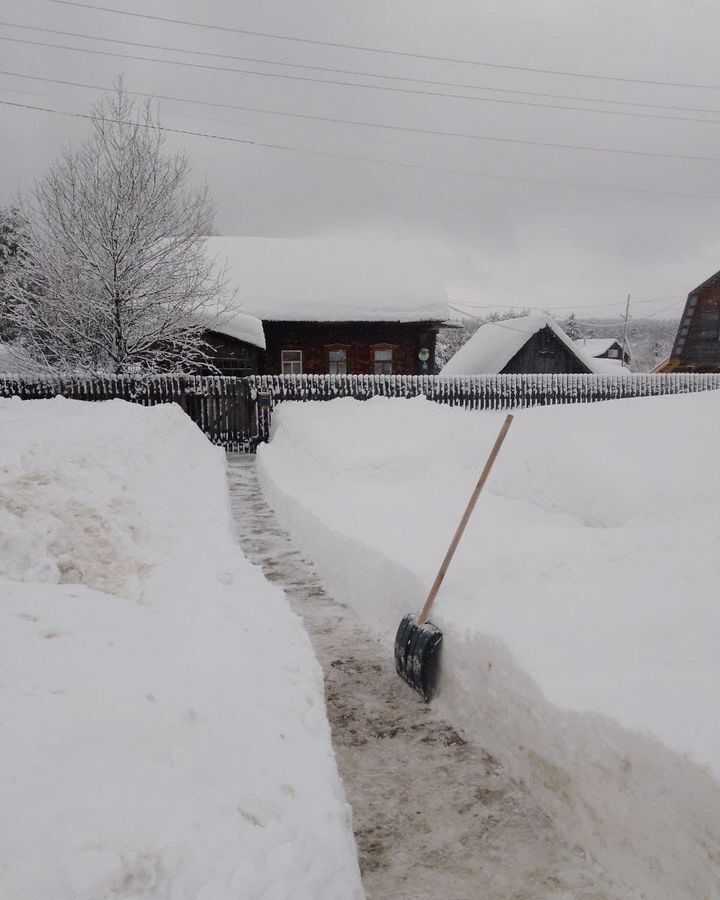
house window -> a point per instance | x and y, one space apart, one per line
383 360
291 362
710 324
337 361
233 365
613 353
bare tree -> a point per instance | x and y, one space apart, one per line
12 227
114 275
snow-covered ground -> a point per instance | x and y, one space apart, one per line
580 615
162 726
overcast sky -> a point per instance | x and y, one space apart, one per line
513 239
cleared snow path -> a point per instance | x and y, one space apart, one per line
434 815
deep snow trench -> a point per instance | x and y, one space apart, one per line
434 814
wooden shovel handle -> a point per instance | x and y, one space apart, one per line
422 618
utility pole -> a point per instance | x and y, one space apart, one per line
624 341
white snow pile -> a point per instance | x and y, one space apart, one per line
580 614
163 731
332 280
494 344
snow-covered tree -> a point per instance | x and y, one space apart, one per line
572 328
113 275
12 236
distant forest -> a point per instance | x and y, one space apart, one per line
650 339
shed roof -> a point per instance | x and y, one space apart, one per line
596 346
236 324
332 280
494 344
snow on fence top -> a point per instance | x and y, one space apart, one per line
332 280
494 344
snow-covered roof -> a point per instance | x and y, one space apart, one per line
596 346
332 280
236 324
494 344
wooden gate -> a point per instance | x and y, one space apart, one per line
225 409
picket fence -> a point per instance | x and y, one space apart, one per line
236 413
223 408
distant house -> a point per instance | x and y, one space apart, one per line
697 343
529 344
605 348
327 306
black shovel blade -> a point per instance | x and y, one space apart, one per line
417 653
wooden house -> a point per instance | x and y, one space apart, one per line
697 343
328 306
236 341
528 344
605 348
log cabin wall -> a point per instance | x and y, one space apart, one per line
545 353
697 345
231 356
358 340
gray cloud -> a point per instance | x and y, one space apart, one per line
513 241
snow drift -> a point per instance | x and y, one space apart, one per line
580 615
163 725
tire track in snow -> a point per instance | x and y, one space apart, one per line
434 815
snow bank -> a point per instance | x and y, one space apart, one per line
163 726
580 614
332 280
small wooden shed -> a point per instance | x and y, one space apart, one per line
605 348
528 344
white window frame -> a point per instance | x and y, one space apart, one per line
337 362
291 366
380 365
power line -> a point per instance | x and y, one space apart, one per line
390 52
383 162
337 83
405 78
359 123
575 306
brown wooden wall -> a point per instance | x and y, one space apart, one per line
697 345
315 339
545 353
231 356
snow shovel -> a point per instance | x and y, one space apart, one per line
417 643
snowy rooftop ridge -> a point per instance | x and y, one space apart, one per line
239 325
332 279
595 346
494 344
